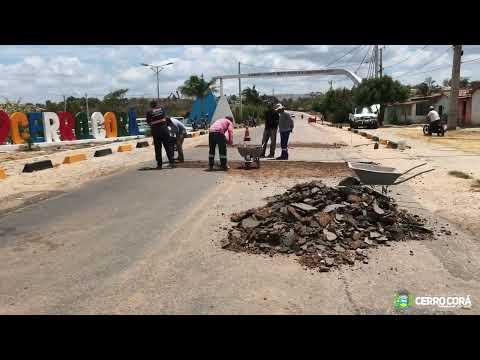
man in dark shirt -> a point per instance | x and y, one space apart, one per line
161 133
270 131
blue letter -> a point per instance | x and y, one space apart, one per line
132 122
35 125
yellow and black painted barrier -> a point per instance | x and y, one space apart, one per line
70 159
125 148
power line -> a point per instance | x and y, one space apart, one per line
402 61
366 54
467 61
341 57
421 66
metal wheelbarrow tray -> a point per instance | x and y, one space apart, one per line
251 153
381 175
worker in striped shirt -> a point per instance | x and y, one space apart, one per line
220 133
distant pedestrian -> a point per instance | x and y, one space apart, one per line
220 133
157 120
285 126
270 131
181 132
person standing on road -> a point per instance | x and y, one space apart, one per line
270 131
181 132
161 135
285 126
220 133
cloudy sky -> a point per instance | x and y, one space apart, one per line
38 73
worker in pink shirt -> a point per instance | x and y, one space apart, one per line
220 133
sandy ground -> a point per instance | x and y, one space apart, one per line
452 198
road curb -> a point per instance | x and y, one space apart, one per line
125 148
103 152
142 144
37 166
70 159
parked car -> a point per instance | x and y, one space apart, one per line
367 118
185 122
143 127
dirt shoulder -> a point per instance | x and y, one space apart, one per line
449 197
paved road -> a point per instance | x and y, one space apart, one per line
147 242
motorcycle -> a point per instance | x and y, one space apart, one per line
439 128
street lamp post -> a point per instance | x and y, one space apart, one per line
156 69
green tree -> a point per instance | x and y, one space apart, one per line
464 82
335 105
115 101
196 86
381 90
251 96
427 87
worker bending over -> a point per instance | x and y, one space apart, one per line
181 132
220 133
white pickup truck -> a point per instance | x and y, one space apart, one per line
367 118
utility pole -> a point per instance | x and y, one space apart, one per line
240 91
64 104
376 60
381 62
452 109
156 69
86 101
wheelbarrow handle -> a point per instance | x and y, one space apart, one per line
414 168
411 177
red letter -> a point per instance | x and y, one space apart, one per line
67 124
4 126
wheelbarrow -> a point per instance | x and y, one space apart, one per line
369 174
251 154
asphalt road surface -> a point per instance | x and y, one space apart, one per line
147 242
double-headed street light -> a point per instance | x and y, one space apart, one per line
156 69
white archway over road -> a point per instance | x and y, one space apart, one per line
355 78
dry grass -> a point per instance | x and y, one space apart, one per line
459 174
463 140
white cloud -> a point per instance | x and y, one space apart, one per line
38 73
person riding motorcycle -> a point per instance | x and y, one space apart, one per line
433 120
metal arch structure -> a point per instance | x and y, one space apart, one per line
352 76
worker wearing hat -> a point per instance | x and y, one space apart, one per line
161 133
285 127
270 130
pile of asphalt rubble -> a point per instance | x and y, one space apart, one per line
324 226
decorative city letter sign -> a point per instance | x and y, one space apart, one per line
132 123
111 129
97 122
18 120
81 126
67 124
4 126
122 124
35 123
51 127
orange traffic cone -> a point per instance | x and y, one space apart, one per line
247 135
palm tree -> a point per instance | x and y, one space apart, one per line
197 87
251 96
